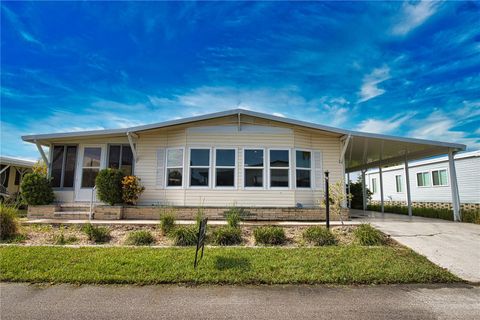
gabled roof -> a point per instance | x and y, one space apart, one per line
363 151
32 138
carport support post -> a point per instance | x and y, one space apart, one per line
364 191
454 186
407 183
381 188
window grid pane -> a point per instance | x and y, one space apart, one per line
303 178
303 159
225 177
398 181
253 177
253 158
200 157
279 158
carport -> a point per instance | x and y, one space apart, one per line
363 151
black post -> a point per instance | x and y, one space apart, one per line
327 200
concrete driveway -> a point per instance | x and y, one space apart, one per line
452 245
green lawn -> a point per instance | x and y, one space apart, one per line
332 265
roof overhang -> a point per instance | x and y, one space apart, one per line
364 150
16 162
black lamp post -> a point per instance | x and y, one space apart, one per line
327 200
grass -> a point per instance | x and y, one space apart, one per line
326 265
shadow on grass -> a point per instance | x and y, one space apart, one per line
225 263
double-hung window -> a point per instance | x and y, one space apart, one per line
423 179
121 157
439 177
303 168
199 167
254 164
63 166
225 167
174 167
374 185
398 183
279 168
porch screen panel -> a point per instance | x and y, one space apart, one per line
57 166
69 172
160 181
318 163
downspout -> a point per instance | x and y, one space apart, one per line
132 145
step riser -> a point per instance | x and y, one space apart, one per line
76 209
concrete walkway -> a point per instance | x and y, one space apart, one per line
187 222
452 245
24 301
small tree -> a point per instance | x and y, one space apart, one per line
40 167
337 198
109 186
36 189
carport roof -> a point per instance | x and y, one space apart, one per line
362 150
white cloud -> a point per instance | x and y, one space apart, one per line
20 27
384 126
413 15
441 126
371 81
278 114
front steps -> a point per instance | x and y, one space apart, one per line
72 212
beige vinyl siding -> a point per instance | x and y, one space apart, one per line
281 136
149 143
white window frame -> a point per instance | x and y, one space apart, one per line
264 167
401 183
428 173
302 168
209 167
440 185
289 168
374 185
174 167
215 167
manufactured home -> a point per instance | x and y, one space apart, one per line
238 156
430 182
11 173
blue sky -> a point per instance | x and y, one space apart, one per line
409 69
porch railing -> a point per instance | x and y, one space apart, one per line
92 202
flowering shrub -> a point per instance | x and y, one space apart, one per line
132 188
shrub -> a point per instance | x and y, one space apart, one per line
227 236
234 215
269 235
167 221
319 236
96 234
140 238
357 194
61 239
109 186
8 222
184 235
366 235
471 216
36 189
131 189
